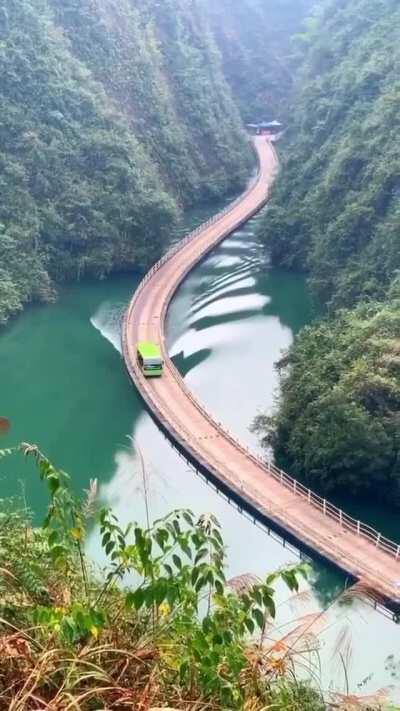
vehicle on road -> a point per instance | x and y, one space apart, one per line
150 359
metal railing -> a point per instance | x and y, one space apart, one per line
346 522
329 510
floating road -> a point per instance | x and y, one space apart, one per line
268 493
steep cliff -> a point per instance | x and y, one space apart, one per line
336 214
112 117
336 208
260 59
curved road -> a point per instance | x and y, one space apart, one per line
265 490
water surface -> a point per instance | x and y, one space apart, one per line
63 385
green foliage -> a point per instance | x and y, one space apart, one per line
337 427
259 58
336 210
335 213
112 117
159 64
160 588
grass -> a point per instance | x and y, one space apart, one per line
159 625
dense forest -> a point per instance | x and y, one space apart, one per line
336 209
336 214
338 425
113 116
260 58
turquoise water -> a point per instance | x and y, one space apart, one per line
63 386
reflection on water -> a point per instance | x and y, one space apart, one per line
229 361
228 325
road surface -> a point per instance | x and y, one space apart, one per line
275 497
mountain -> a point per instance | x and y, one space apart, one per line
260 60
113 116
336 207
335 213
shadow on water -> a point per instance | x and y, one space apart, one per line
229 317
242 291
186 364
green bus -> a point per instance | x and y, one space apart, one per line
150 359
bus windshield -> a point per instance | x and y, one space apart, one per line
150 358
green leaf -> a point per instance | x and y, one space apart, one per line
53 538
217 639
185 548
271 578
135 599
219 587
249 624
188 518
201 583
200 555
259 617
176 526
228 637
256 595
105 538
206 625
109 547
168 570
210 577
161 537
149 596
53 481
160 591
289 576
177 561
269 604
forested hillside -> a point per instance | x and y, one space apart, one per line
112 116
336 207
336 214
338 424
260 59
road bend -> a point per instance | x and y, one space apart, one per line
269 493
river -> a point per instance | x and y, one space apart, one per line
63 386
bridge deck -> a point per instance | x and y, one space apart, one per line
355 548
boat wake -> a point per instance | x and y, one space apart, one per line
107 320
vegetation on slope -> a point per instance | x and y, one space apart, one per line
158 623
338 424
158 61
336 206
336 213
259 57
111 116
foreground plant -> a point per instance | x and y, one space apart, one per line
158 624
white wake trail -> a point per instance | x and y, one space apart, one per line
107 320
